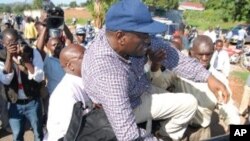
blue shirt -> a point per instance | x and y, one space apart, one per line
53 72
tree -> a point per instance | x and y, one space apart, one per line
37 4
164 4
73 4
98 9
233 10
7 8
19 8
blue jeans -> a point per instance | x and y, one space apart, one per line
18 115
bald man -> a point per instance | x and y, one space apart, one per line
67 93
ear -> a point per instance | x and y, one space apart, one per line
120 37
69 66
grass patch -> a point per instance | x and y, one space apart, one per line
79 21
242 75
207 18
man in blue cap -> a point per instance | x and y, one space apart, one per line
113 73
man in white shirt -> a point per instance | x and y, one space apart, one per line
241 36
67 93
220 60
211 33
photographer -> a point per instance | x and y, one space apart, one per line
52 19
21 76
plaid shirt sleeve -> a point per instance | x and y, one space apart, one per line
184 66
113 87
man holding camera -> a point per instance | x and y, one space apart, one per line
21 76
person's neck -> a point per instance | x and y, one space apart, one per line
72 73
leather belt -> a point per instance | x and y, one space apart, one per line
23 101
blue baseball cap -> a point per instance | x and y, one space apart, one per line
132 15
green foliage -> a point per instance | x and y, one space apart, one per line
37 4
5 8
19 8
233 10
165 4
73 4
207 18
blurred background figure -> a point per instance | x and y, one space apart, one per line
90 31
211 33
193 33
242 34
74 21
18 21
30 32
81 36
218 32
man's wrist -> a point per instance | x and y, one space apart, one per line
155 67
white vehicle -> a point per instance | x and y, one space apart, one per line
171 27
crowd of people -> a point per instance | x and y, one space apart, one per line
124 69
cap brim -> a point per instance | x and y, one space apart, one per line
153 28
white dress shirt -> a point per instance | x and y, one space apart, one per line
61 103
220 62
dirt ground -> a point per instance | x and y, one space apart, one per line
77 13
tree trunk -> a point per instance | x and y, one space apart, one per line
99 16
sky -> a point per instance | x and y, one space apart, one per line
54 1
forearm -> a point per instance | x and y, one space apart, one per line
155 67
41 42
68 33
8 65
29 67
185 66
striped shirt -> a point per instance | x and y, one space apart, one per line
117 83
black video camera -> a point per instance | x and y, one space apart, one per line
55 15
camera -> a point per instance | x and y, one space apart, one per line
55 15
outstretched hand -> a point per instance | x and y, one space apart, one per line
217 87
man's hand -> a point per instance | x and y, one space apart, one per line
217 87
156 58
11 49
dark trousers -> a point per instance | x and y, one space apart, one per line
240 44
